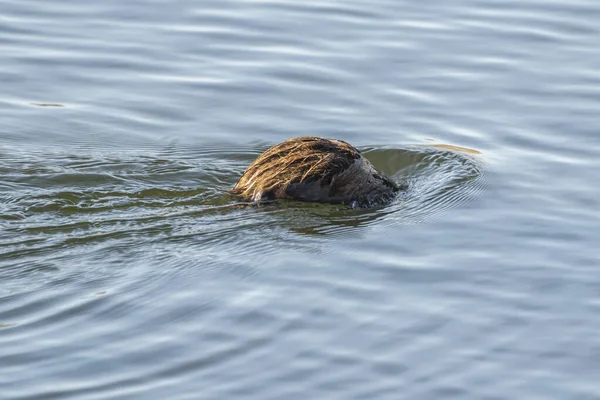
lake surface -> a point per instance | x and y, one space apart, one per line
126 272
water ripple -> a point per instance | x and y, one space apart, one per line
128 272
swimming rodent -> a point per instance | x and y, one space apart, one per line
318 170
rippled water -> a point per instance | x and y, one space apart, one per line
127 271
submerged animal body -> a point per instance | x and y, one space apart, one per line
315 169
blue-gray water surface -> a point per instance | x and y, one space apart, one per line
127 272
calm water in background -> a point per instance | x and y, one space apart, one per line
126 273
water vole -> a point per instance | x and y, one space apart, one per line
315 169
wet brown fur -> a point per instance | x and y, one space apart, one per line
314 169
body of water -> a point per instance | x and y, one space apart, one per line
127 272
